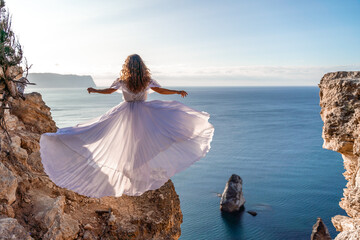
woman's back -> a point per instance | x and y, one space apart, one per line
130 96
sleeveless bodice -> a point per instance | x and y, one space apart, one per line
128 95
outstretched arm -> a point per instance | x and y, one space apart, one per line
103 91
168 91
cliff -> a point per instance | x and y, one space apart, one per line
53 80
340 111
33 207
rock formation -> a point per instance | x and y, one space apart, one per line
11 229
340 111
232 198
33 207
54 80
252 213
320 231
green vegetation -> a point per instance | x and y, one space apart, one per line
11 53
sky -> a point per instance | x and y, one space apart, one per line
194 43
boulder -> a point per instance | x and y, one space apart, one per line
11 229
8 184
50 215
232 199
18 152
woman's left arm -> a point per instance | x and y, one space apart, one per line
102 91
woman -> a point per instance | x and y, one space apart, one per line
134 147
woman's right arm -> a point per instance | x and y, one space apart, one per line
102 91
168 91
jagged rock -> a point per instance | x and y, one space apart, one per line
51 212
18 152
320 231
89 236
252 213
34 161
340 111
7 210
12 122
34 113
30 141
88 227
8 184
11 229
348 235
64 227
232 198
349 227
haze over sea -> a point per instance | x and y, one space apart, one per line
270 136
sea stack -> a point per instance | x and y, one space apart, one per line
320 231
232 199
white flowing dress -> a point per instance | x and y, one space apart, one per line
134 147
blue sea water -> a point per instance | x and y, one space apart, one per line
270 136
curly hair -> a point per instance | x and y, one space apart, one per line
135 73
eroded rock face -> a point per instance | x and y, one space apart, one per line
31 200
340 112
232 198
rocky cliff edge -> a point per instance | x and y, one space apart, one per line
33 207
340 111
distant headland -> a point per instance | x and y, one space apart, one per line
53 80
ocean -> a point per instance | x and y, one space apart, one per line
270 136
